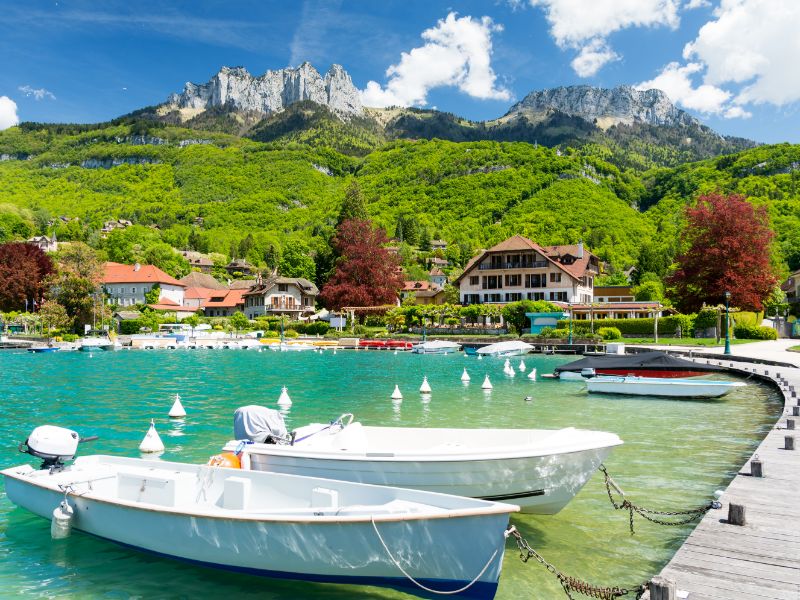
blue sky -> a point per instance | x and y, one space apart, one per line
731 63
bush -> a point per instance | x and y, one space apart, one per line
667 326
69 337
290 333
755 332
375 321
706 318
609 333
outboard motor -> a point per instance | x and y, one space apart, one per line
261 425
53 445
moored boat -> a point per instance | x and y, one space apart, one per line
271 524
657 386
436 347
644 364
96 344
43 349
541 470
502 349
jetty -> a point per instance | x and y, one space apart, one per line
750 549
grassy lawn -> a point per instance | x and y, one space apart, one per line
794 349
684 341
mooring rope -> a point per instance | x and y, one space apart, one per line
417 583
653 515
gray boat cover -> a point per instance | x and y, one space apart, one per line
655 360
256 423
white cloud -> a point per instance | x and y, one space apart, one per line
38 93
592 58
676 82
754 43
575 25
737 112
692 4
8 113
457 52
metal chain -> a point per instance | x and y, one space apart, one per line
571 584
647 513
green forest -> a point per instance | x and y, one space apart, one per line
234 196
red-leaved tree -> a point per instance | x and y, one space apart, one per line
366 273
728 250
23 268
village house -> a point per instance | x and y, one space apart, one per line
520 269
126 285
613 293
412 289
110 226
45 243
437 277
223 303
292 296
239 265
198 261
791 287
438 245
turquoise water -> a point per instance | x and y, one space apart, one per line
676 454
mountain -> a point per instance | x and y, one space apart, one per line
606 107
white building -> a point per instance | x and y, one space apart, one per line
293 296
45 243
127 284
519 269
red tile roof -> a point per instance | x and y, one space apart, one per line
224 299
201 293
414 286
119 273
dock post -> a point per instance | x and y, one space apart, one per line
736 514
789 423
662 589
756 468
789 442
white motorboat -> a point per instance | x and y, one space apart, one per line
291 346
96 344
270 524
436 347
509 348
538 469
657 386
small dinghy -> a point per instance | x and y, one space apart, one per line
541 470
657 386
270 524
436 347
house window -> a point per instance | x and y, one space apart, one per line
513 297
535 295
474 280
535 281
555 277
133 290
513 280
559 296
283 287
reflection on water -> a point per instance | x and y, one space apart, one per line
675 455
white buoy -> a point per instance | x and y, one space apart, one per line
284 399
177 411
152 441
425 388
334 350
509 371
532 374
396 395
507 364
61 525
395 352
487 385
465 376
521 366
480 356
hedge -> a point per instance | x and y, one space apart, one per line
609 333
667 326
754 332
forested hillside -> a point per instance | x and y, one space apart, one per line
216 192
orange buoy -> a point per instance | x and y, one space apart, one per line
226 459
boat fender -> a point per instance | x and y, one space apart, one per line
225 459
61 525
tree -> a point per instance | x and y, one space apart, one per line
297 261
452 295
272 256
80 260
23 270
192 321
353 205
514 313
649 291
153 296
165 258
239 321
728 249
54 316
76 295
366 273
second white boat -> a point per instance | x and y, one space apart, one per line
656 386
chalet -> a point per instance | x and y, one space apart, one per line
239 265
45 243
292 296
110 226
126 285
438 245
198 261
520 269
414 288
437 277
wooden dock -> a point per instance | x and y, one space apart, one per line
759 560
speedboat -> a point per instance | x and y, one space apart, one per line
657 386
270 524
436 347
644 364
538 469
290 346
502 349
42 349
96 344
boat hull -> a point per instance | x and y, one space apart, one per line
537 484
667 388
431 550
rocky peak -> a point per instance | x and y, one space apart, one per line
623 104
235 87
